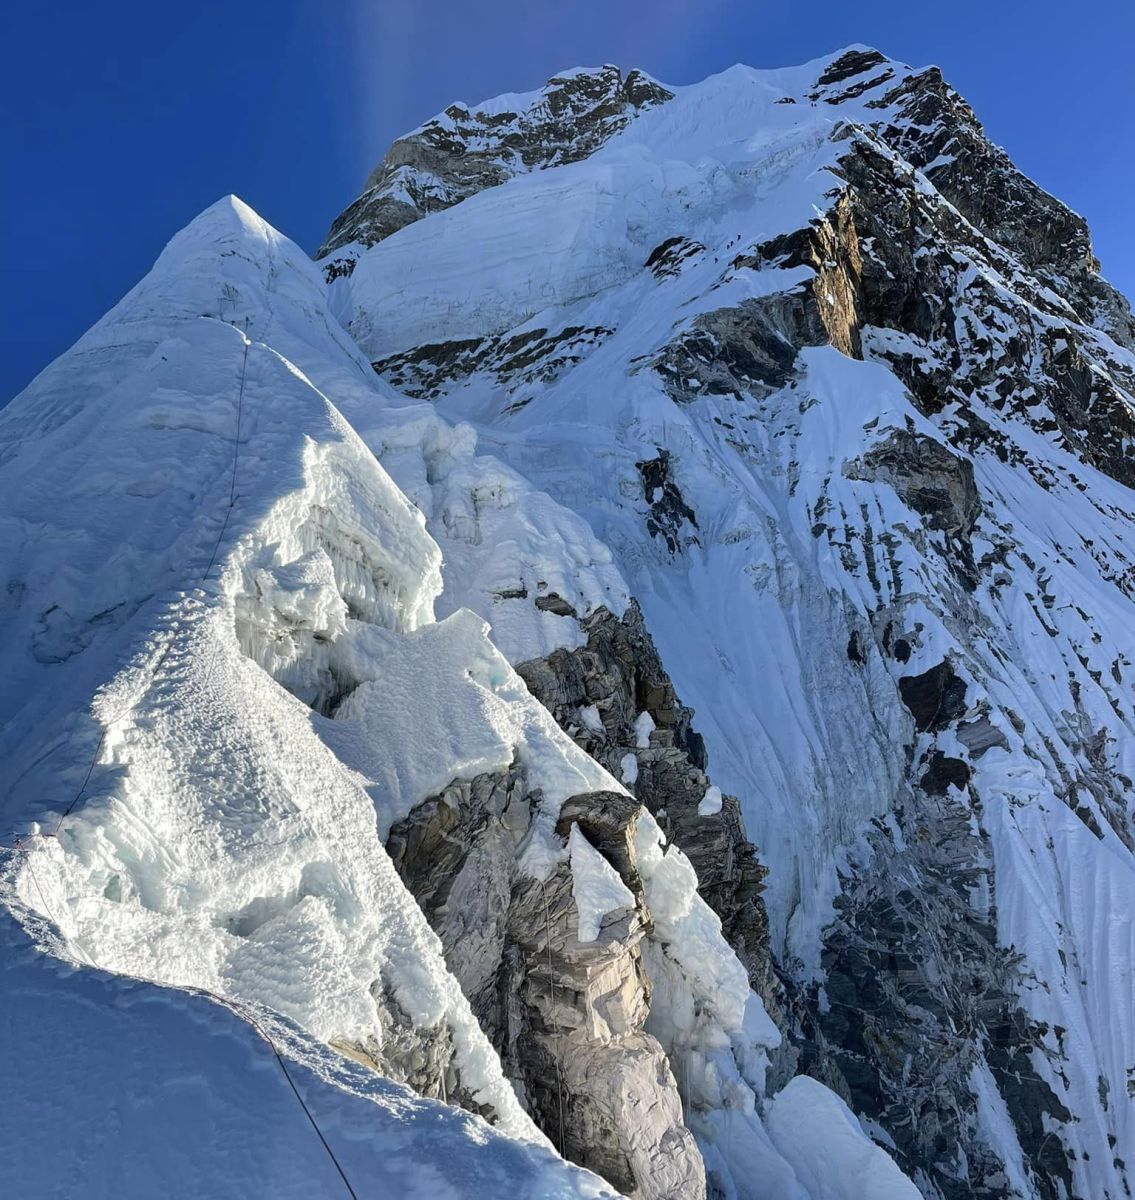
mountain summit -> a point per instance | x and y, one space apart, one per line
633 643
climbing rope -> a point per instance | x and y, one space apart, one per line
555 1020
247 1015
18 842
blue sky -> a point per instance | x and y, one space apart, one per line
119 122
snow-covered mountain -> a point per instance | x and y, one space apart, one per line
635 644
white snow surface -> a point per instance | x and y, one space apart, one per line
819 1135
203 555
643 728
595 885
711 802
126 1089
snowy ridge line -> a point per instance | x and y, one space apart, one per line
247 1014
242 1012
18 845
37 834
47 907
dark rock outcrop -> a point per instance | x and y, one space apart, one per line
931 479
567 1017
668 512
513 359
917 997
463 151
619 673
936 698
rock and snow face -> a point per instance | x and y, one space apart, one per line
235 672
846 398
462 151
782 395
188 520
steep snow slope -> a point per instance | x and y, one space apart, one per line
187 517
224 687
844 395
120 1088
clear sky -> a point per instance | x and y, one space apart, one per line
119 121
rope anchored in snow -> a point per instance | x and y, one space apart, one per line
20 842
247 1015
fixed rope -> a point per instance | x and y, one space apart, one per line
18 843
247 1015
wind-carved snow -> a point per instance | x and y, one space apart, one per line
442 703
509 549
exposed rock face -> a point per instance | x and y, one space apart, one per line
669 517
567 1016
918 997
751 348
928 274
463 151
537 355
939 132
933 481
935 698
920 530
620 675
